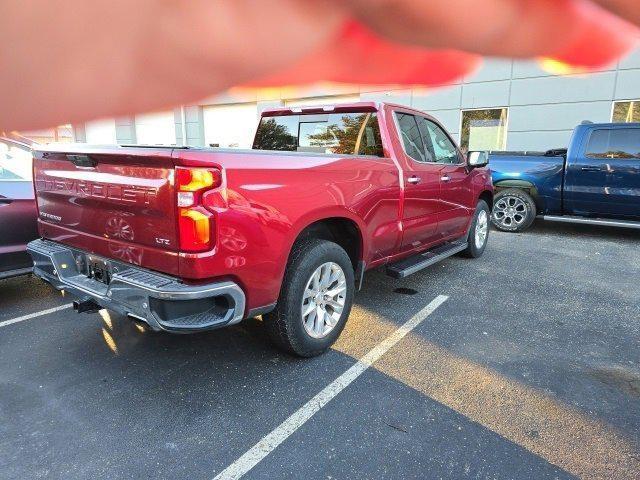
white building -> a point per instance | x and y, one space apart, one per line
512 105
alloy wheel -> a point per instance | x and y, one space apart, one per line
510 212
482 229
323 299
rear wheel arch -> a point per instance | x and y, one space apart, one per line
523 185
515 210
340 230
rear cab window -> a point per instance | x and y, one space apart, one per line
335 133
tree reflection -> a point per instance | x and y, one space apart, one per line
274 136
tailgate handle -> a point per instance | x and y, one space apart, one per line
82 161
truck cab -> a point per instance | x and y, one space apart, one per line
602 176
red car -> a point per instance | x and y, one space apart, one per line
18 213
187 239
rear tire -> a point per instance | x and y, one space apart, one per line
314 266
478 232
513 210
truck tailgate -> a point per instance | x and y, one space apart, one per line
118 202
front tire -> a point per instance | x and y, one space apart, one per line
315 299
478 232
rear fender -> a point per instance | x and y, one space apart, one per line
528 187
330 213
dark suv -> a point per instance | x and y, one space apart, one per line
17 207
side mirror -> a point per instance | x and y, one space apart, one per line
478 159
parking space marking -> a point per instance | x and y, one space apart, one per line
271 441
33 315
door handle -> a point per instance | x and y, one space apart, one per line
414 179
590 169
445 178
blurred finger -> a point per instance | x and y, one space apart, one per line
77 60
73 61
357 55
627 9
574 31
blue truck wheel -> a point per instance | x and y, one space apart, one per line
513 210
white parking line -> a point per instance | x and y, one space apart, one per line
271 441
33 315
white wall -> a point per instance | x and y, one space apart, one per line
101 132
231 125
156 128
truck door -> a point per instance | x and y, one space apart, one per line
18 216
421 177
603 179
456 192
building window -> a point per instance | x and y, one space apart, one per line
59 134
484 129
626 112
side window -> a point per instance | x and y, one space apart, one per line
15 162
442 149
411 138
614 143
370 141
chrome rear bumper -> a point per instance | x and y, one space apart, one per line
161 301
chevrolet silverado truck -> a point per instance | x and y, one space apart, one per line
189 239
595 181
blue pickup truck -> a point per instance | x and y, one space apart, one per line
596 180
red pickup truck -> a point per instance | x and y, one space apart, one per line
188 239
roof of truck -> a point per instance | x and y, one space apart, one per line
337 107
609 124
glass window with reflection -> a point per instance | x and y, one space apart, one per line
614 143
335 133
626 112
15 161
437 143
484 129
412 138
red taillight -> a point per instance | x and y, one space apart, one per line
195 223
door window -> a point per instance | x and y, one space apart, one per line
438 143
614 143
411 138
15 161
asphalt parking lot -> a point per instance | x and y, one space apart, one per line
530 369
